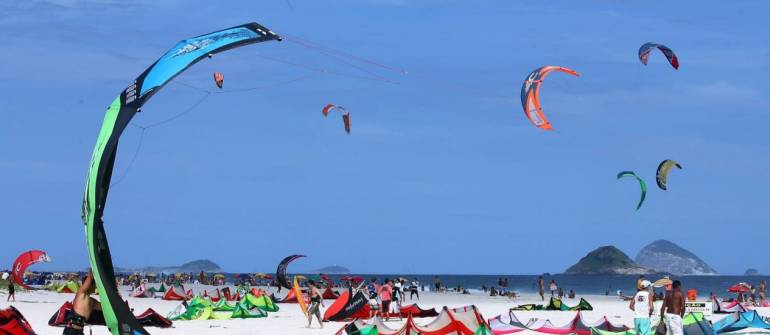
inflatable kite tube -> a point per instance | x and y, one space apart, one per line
280 273
24 261
300 299
176 60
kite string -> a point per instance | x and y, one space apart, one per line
325 71
185 111
133 158
338 53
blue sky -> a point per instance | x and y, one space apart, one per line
442 173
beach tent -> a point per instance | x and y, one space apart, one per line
740 321
455 321
728 307
348 306
13 323
578 326
330 294
508 324
262 302
150 318
176 293
696 324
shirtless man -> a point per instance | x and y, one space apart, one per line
541 288
315 299
83 305
673 310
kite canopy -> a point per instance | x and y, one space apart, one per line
219 79
184 54
646 49
280 273
24 261
661 176
344 112
530 95
740 288
642 185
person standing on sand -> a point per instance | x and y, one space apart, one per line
673 309
437 283
553 287
762 294
82 307
386 296
11 291
315 300
413 289
541 287
641 304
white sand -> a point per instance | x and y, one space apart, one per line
38 307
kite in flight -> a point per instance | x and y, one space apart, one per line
530 95
642 185
219 79
661 176
24 261
117 315
646 49
344 112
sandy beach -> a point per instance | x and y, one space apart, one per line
38 306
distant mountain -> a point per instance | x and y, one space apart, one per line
196 266
334 269
607 260
665 256
752 272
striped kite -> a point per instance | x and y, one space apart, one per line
642 185
530 95
661 176
344 112
646 49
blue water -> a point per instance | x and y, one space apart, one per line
581 284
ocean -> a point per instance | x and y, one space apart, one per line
581 284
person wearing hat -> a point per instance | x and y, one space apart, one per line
641 304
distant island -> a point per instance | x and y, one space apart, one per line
666 256
334 269
752 272
195 266
607 260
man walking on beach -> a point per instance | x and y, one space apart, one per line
541 288
413 289
641 304
316 299
386 296
673 310
11 291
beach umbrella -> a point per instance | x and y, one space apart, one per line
663 282
740 288
263 276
